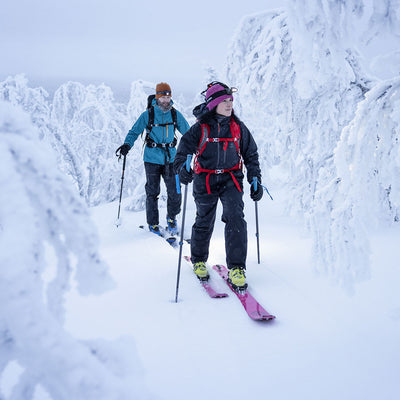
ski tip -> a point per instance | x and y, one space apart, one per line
220 295
257 316
265 318
172 241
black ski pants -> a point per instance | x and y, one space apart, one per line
154 172
224 190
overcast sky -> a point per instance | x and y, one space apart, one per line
119 41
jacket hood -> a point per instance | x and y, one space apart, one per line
201 111
205 116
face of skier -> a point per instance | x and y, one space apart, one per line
225 108
164 102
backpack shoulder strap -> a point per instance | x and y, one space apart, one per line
235 129
150 124
205 132
174 117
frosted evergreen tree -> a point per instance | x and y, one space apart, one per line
210 74
34 101
286 111
137 103
45 225
366 192
301 77
259 65
84 125
88 126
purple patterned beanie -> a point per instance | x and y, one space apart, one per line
216 94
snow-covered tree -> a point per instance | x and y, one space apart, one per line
366 191
34 101
301 73
84 125
137 103
45 225
296 120
88 126
210 75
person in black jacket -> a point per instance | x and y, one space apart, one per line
222 143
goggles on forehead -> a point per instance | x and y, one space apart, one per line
227 90
164 92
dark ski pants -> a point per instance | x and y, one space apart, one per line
154 172
232 216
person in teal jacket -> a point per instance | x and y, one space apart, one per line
160 121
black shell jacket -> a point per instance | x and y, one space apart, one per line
215 156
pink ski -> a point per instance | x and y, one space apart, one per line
208 288
253 308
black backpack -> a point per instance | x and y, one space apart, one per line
150 142
150 125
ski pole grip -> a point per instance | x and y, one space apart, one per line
255 182
187 164
188 161
178 186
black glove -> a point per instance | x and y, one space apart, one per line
256 195
124 149
185 176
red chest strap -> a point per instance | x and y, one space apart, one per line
205 139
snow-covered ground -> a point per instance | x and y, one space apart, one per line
324 344
319 88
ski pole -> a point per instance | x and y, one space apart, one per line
188 160
118 222
255 182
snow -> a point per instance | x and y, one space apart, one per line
323 344
44 223
88 308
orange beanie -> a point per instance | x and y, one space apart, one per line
162 89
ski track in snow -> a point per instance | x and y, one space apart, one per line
323 344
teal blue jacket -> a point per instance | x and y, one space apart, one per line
160 134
